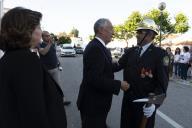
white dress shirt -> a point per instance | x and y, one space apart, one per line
35 51
184 57
102 42
144 48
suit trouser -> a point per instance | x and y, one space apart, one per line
184 69
176 66
93 121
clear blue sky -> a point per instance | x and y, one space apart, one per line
63 15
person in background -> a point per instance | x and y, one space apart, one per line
190 63
29 97
55 41
190 69
176 62
171 58
184 63
49 57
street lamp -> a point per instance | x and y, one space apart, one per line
161 7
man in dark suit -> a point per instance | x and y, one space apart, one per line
98 84
146 70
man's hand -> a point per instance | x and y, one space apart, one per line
124 85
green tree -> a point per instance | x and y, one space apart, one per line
126 31
118 31
181 25
74 32
62 34
64 40
132 22
163 19
91 37
157 16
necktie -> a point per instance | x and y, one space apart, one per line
139 51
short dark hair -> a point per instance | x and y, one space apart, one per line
17 26
186 48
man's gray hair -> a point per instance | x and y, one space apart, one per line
100 23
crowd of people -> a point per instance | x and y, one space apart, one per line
30 91
181 64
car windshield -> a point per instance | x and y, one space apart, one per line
67 48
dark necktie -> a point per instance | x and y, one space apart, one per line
139 51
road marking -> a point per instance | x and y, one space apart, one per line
169 120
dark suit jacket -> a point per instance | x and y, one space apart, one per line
98 84
29 97
152 60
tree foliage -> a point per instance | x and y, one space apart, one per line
64 40
181 24
127 30
74 32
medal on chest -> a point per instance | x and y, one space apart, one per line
146 72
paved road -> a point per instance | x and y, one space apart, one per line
176 112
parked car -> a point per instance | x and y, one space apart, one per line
67 50
79 50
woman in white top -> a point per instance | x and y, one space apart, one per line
184 60
176 62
